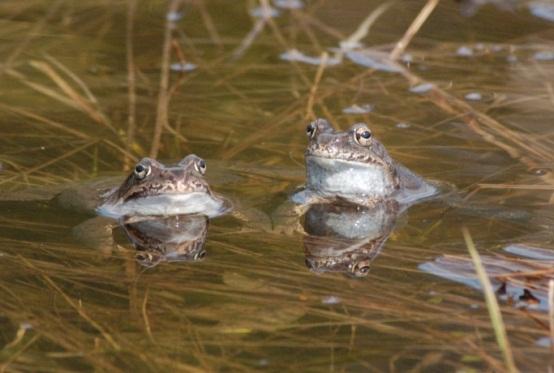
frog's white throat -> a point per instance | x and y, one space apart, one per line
167 205
345 178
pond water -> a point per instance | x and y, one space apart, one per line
471 106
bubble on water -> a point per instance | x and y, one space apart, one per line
263 362
422 88
511 58
542 9
182 66
373 59
296 55
331 299
464 51
403 125
289 4
174 16
43 148
358 109
544 56
264 12
473 96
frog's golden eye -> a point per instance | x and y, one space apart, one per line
141 171
362 136
311 129
200 166
361 269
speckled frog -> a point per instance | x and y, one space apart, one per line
354 166
152 189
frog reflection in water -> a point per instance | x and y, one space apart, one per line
177 238
342 237
353 166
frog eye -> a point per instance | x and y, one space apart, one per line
361 269
200 166
141 171
362 136
311 129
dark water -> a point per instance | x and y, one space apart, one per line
251 303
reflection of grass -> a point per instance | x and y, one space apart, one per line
233 304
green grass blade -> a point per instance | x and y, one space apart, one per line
492 304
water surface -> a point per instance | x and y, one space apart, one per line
252 303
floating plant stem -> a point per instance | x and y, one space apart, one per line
131 81
413 29
163 97
309 110
551 313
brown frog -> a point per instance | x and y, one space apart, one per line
153 189
354 166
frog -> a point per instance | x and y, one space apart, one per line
354 166
151 189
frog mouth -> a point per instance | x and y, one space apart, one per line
344 157
326 158
199 203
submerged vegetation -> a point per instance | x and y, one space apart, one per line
88 88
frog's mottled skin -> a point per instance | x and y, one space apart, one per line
355 167
153 189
